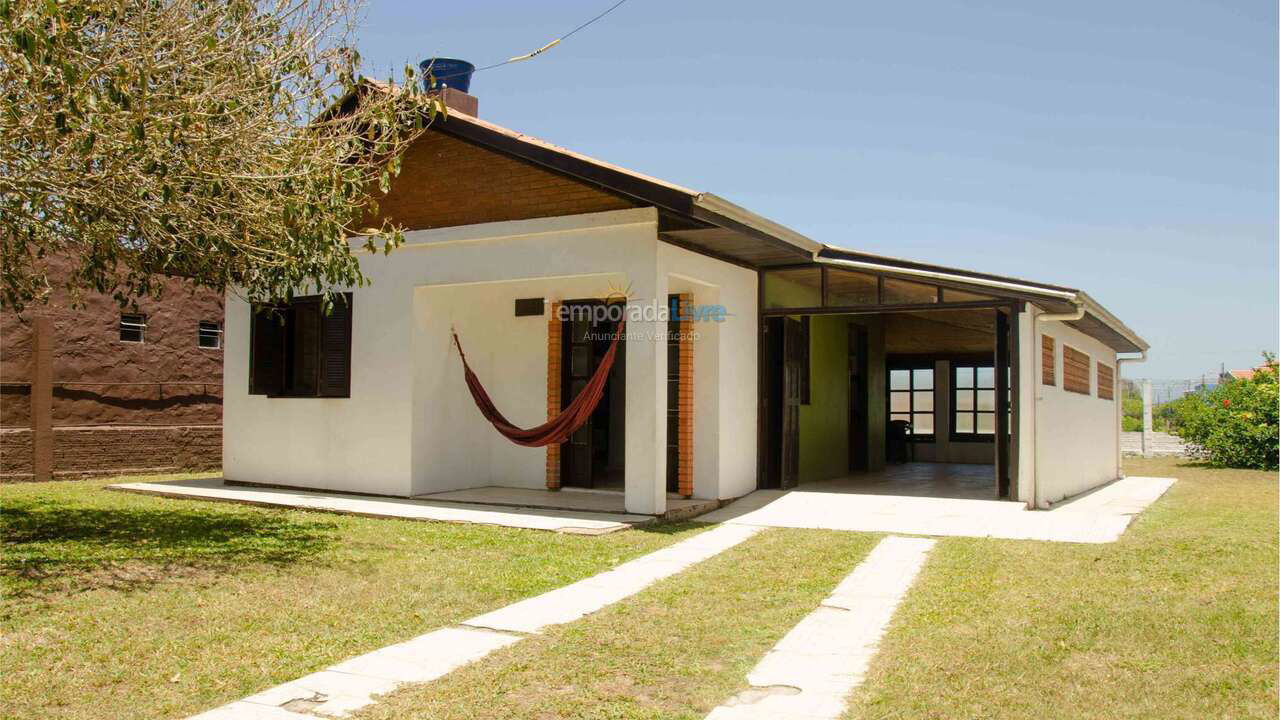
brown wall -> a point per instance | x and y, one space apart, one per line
445 182
167 381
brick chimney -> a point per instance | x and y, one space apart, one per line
455 99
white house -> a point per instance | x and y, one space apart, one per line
803 362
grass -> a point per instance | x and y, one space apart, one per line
122 605
675 650
1177 619
129 606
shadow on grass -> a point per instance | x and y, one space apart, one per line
51 545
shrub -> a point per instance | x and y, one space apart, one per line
1235 424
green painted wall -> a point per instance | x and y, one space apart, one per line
824 422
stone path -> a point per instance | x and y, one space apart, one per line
809 674
357 682
1103 522
570 521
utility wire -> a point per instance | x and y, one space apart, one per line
539 51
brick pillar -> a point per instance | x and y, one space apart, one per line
42 399
554 330
685 417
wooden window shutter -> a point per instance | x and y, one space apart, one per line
1106 382
1048 361
1075 370
335 350
266 352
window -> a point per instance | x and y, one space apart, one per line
973 402
911 399
296 350
1048 361
209 335
132 328
1075 370
852 288
1106 382
793 287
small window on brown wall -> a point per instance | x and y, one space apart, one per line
1075 370
1048 361
296 350
1106 382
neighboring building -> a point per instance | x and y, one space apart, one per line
821 349
115 391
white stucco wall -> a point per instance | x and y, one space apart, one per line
410 427
1075 435
724 371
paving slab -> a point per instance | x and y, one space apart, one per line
571 602
810 672
357 682
215 489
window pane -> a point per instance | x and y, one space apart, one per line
964 423
798 287
208 335
132 327
901 291
964 400
923 379
899 379
964 377
986 399
850 288
900 416
986 423
899 402
986 377
922 424
923 400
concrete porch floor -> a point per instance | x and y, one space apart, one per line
900 500
917 479
572 499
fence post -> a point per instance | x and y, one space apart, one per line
42 399
1148 438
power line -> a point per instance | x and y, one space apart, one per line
544 48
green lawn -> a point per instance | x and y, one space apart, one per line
126 606
129 606
1175 620
675 650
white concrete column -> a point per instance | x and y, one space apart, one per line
1029 380
646 446
1148 437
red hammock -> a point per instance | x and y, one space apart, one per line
557 429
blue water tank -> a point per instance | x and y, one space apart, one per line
447 72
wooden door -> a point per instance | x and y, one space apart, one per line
578 362
794 352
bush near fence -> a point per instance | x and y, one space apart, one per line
1234 424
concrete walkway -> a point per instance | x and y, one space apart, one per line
357 682
568 521
808 675
1083 520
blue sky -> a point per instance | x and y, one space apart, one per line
1128 149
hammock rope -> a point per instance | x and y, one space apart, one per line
557 429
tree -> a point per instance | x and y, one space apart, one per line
226 141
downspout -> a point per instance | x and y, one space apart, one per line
1076 314
1120 410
